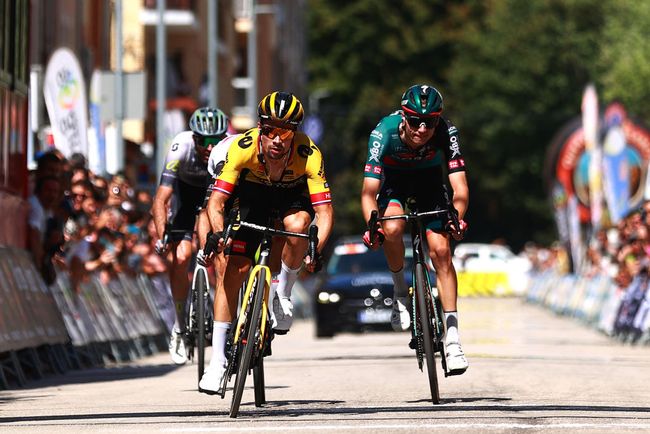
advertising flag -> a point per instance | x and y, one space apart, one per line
590 131
65 98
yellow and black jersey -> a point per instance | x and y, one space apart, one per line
304 167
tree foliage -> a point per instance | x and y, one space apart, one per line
511 72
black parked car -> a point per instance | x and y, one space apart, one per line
356 292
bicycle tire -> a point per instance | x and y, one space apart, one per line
201 315
258 381
423 308
252 326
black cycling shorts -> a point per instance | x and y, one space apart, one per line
187 201
262 204
425 186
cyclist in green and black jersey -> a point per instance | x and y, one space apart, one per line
409 152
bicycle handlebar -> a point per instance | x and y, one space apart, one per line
233 220
375 219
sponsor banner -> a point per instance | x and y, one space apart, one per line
65 98
474 284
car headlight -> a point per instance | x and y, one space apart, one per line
325 297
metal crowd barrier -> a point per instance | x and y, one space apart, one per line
52 328
620 312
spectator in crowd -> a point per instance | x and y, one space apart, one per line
43 223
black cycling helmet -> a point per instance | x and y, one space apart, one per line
209 122
281 107
422 100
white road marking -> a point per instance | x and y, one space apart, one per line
486 426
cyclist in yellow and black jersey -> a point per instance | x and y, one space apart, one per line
273 170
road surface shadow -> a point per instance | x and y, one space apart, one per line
93 375
299 408
288 409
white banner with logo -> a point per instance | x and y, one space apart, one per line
65 98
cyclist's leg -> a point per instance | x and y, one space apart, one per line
297 214
391 200
275 265
225 306
440 253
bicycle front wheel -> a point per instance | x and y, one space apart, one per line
422 294
258 382
202 303
253 323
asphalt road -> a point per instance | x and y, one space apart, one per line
530 371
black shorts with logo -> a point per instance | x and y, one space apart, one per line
187 201
425 186
262 204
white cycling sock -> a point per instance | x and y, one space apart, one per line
451 324
179 322
400 287
219 336
272 290
286 280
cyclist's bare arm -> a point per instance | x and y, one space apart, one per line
216 207
369 192
159 208
202 227
324 222
458 182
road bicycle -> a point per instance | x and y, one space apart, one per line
250 339
199 315
427 317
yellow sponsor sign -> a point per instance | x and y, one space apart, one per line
477 284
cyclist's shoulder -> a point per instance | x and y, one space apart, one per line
182 144
241 149
447 126
305 147
386 127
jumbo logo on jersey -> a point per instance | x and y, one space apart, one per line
245 141
305 151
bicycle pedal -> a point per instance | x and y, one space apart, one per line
413 344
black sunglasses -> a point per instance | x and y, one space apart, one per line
415 122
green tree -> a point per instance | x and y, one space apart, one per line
365 73
518 77
625 56
512 74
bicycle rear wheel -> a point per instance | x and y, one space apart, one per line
422 296
202 304
253 322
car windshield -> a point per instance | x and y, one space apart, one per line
357 258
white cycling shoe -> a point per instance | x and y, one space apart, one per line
177 348
211 380
455 357
282 316
400 319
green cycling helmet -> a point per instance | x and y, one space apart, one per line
209 122
422 100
